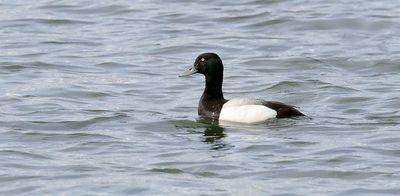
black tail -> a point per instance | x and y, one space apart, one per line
283 110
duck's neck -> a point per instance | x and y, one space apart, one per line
214 87
212 100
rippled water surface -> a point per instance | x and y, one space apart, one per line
91 103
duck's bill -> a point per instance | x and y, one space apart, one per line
190 71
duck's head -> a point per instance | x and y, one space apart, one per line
208 64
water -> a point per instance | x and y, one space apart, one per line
91 102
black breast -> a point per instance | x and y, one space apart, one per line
210 107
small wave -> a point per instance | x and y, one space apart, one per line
52 22
65 136
23 155
338 89
293 85
61 125
81 124
98 147
346 23
93 10
21 189
327 174
266 23
78 43
240 18
78 94
167 170
113 65
18 66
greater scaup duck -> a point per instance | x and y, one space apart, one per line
213 104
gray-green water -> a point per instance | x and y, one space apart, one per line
91 104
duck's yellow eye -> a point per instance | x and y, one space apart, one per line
202 59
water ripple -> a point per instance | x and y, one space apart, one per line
21 155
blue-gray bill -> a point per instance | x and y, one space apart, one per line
190 71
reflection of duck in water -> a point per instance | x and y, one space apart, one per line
213 104
213 133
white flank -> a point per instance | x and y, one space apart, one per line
246 111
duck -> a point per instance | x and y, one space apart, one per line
213 105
